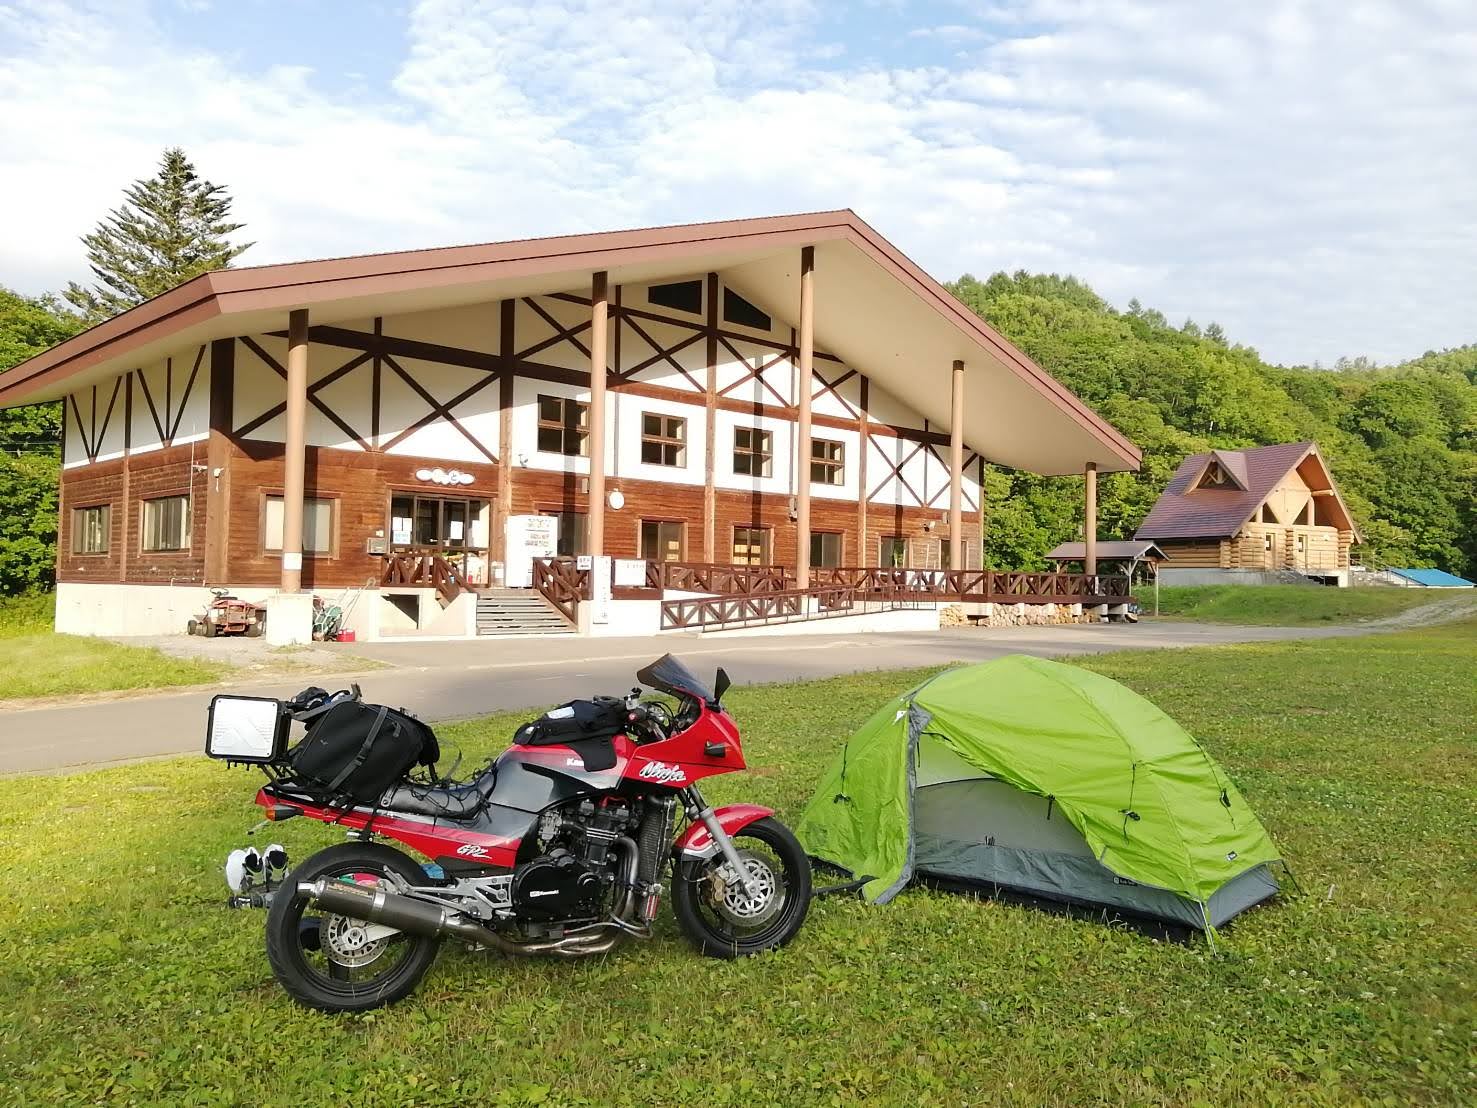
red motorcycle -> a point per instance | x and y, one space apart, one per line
560 845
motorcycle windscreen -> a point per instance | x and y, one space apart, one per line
667 674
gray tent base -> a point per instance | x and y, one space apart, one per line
987 834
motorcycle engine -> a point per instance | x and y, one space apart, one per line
556 886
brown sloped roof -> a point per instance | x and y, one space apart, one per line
1219 513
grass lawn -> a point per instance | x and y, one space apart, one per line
1286 605
35 661
126 980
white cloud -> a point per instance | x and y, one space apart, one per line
1300 173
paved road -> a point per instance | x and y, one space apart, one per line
454 680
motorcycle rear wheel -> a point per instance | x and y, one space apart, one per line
367 973
721 921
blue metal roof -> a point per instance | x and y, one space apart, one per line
1434 578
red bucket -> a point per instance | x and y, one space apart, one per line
344 636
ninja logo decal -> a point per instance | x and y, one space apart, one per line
661 771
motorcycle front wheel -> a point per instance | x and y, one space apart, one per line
337 964
721 918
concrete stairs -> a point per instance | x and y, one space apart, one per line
517 612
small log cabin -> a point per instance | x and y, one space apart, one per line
1252 515
786 391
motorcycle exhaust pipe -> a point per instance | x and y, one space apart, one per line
394 910
435 922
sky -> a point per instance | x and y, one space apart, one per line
1302 172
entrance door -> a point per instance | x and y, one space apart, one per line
456 528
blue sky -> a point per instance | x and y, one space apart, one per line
1299 171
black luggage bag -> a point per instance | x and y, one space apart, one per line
353 751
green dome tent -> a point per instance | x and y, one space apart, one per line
1045 779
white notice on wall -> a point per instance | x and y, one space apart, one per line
292 560
454 530
630 573
600 591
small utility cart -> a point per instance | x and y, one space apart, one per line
229 615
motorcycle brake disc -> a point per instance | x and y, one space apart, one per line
730 900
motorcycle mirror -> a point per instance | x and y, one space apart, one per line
720 683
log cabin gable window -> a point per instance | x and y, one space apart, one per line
92 529
738 310
563 426
683 296
663 440
166 525
319 518
827 462
753 452
751 546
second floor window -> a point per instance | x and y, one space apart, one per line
663 440
166 524
753 451
563 426
827 462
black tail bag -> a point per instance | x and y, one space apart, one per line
354 751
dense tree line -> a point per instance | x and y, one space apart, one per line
1402 440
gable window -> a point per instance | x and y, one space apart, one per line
825 548
685 296
827 462
166 524
751 546
753 451
563 426
1215 477
663 440
91 529
738 310
662 540
317 525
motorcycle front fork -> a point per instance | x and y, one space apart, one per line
700 811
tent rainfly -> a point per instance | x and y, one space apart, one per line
1044 779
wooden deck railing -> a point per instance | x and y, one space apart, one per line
980 585
426 570
714 578
710 613
562 584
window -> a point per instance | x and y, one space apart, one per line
1215 477
825 548
563 426
753 451
435 523
166 524
572 533
663 440
738 310
685 296
827 462
751 546
1266 542
661 540
317 525
91 529
892 551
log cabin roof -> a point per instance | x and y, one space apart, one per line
1186 510
874 308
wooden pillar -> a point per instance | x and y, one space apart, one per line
806 387
956 469
710 448
859 556
1089 521
295 454
505 452
599 313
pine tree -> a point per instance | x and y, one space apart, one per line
171 227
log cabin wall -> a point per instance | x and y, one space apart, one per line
392 397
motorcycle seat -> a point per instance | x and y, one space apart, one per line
460 802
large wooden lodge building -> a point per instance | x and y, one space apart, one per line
787 391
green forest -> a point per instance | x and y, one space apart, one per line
1402 439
